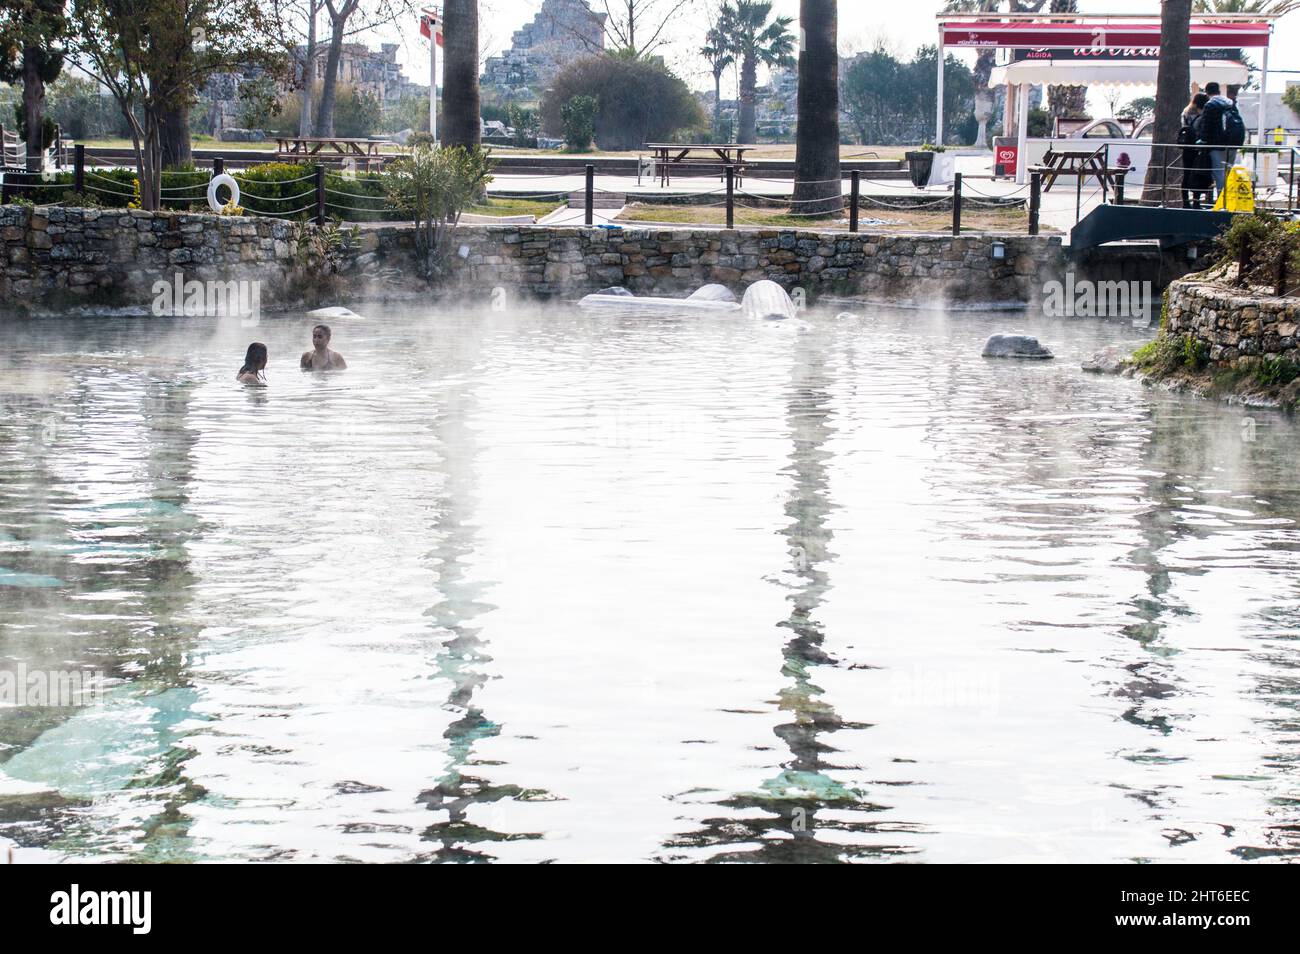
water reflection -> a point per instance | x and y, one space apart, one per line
807 812
463 661
109 479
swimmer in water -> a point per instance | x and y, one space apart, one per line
254 369
321 358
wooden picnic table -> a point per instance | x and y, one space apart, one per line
329 148
669 154
1084 163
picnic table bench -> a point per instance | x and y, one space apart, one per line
361 152
666 155
1081 163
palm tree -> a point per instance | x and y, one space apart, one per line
717 50
817 186
754 40
1173 81
460 99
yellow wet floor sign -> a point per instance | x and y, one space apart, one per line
1239 193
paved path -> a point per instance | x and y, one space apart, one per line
1057 210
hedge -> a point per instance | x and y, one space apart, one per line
268 189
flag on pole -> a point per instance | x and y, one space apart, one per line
431 23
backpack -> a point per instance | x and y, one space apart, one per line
1234 127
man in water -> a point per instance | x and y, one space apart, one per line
321 358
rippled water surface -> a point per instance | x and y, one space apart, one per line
555 587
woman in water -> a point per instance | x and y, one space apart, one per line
321 358
253 371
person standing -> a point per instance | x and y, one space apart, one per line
1196 166
321 357
1221 127
254 368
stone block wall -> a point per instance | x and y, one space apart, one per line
1234 323
52 254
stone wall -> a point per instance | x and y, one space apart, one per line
902 268
1232 322
52 254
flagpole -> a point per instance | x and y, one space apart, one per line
433 81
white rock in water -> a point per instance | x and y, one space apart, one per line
849 315
1014 346
712 292
337 314
768 300
1106 361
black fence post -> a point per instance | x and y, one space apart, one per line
855 186
588 215
956 204
320 195
1164 178
79 168
731 196
218 166
1035 201
1290 186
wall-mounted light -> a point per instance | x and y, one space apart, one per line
998 251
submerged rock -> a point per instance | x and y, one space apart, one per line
1014 346
1106 361
337 313
767 300
712 292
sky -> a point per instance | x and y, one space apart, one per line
902 25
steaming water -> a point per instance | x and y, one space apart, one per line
534 587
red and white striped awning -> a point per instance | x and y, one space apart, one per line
1100 33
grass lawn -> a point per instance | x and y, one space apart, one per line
972 219
514 207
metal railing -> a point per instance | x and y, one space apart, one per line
1171 158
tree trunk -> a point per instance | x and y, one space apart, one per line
1173 81
174 135
748 118
33 113
817 185
308 72
460 95
717 105
325 118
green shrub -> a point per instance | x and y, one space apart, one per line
1274 371
1196 354
1168 353
579 116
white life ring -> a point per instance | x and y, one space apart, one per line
217 182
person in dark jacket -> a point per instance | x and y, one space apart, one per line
1197 181
1211 130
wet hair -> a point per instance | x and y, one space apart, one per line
254 359
1211 89
324 328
